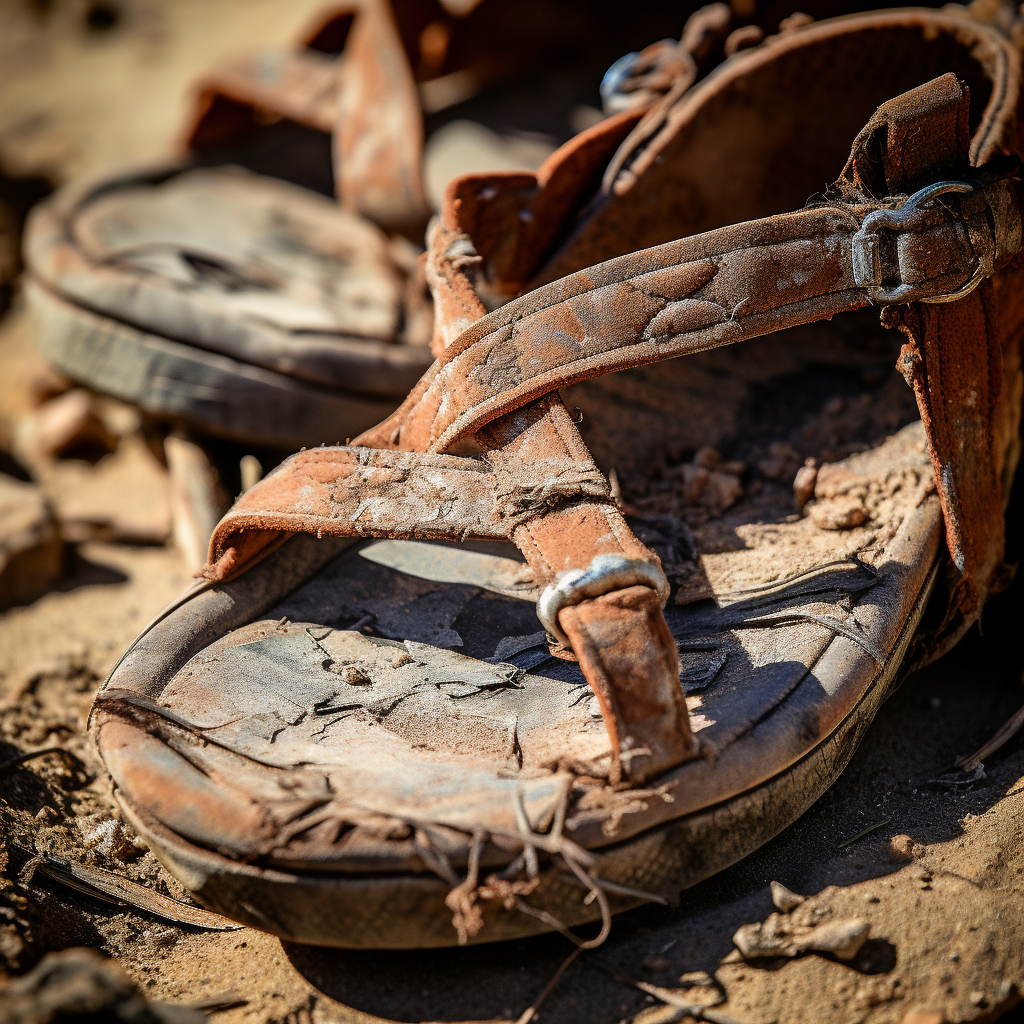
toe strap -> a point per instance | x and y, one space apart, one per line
630 660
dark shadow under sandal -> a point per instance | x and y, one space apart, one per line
354 731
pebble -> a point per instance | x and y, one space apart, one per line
778 937
803 484
839 514
785 899
906 848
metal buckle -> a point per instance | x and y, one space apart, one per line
867 260
604 574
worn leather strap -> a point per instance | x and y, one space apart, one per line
299 85
621 640
953 358
378 140
714 289
344 491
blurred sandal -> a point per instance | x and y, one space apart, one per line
583 623
246 305
237 304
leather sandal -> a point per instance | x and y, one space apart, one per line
240 305
353 730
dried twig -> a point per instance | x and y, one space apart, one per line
22 758
864 832
1002 737
531 1011
113 888
670 997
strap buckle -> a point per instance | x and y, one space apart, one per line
867 249
605 573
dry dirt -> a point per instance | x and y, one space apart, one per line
940 876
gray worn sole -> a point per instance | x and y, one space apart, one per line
203 390
407 911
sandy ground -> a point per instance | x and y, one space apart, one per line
940 879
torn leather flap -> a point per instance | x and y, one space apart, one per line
913 140
953 356
378 140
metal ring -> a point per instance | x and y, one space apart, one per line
604 574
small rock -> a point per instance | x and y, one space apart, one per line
839 514
785 899
721 491
835 480
905 848
352 675
843 938
31 548
112 839
68 426
78 985
977 999
803 484
779 937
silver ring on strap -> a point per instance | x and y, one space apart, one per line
604 574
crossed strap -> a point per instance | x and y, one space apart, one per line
536 483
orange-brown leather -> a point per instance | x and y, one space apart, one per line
367 99
954 353
496 378
378 141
